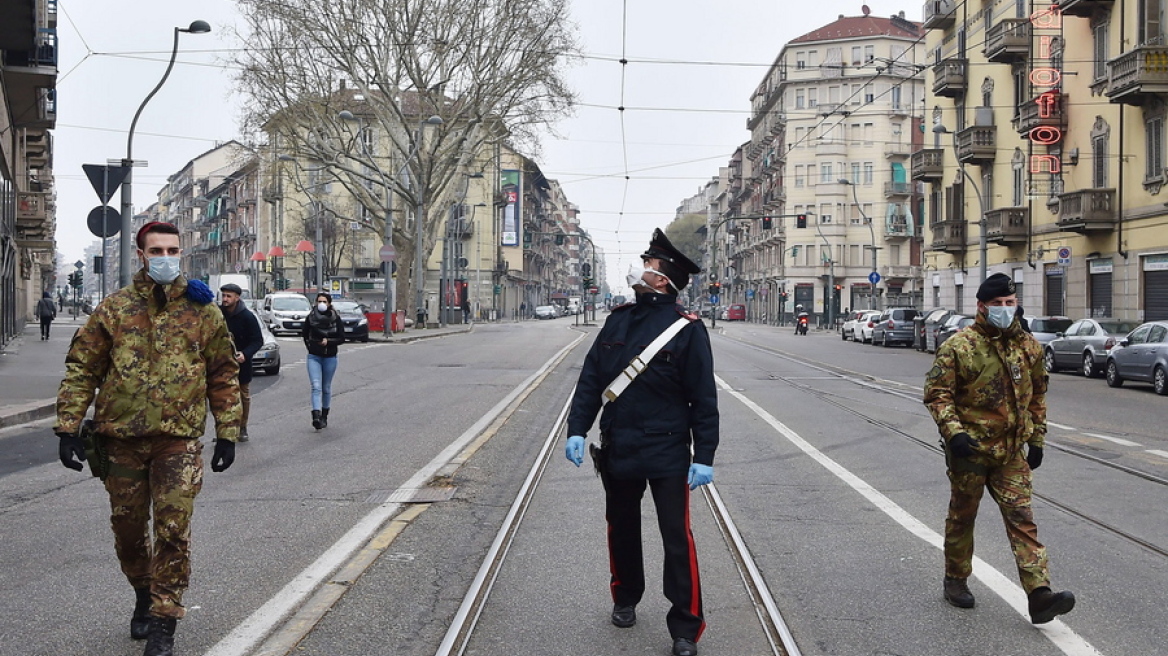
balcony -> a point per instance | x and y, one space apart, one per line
833 147
948 236
1007 225
939 14
895 189
928 164
949 77
897 150
900 271
1030 114
896 227
1087 210
1084 8
1008 41
1136 75
977 144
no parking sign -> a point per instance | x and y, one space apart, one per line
1064 255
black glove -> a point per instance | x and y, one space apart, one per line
69 448
224 455
961 446
1034 457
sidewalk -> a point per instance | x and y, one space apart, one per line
415 334
31 371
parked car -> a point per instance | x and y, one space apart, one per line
895 325
1085 344
954 323
353 317
546 312
267 359
1142 356
736 312
284 312
865 326
934 320
848 330
1046 329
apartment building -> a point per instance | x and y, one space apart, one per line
28 111
1047 154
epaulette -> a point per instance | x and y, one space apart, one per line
692 316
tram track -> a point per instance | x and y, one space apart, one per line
875 384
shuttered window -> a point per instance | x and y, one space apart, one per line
1100 301
1155 295
1054 293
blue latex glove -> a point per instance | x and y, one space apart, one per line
574 452
700 475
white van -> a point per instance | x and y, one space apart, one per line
285 312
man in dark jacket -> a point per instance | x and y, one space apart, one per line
647 432
46 312
248 339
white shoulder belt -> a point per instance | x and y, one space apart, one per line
641 362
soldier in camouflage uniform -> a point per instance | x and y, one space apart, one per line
987 393
158 350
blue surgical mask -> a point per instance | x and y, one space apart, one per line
1000 316
163 269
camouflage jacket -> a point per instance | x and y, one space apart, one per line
156 367
990 384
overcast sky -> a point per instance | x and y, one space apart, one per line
687 106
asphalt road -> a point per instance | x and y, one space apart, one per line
826 465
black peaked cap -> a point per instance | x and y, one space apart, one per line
662 249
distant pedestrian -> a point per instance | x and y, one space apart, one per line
323 332
61 300
466 310
248 338
46 312
156 353
987 393
523 310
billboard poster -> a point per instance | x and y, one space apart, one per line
511 211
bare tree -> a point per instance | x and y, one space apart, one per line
491 70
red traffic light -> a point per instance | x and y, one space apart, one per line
800 220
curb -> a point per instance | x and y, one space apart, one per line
24 413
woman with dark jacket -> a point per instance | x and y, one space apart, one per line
323 331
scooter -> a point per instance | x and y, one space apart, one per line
801 324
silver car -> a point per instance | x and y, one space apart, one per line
1142 356
1085 344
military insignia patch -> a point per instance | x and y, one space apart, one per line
934 372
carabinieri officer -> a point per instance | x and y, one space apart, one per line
646 433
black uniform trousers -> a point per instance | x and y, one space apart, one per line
681 582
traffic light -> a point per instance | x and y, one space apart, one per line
838 289
794 251
559 240
767 223
586 269
800 220
75 279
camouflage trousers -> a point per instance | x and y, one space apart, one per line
170 476
1010 487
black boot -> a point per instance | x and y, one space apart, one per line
1045 605
317 423
957 593
140 621
160 642
324 418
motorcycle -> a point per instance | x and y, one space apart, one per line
801 324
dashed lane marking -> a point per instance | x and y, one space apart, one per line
1116 440
1157 452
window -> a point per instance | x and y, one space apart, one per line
1019 178
1099 48
825 213
825 173
869 172
799 137
799 99
856 61
868 128
1154 155
869 96
800 172
869 53
812 97
1151 22
855 173
1099 162
857 93
368 142
811 174
800 60
833 95
812 58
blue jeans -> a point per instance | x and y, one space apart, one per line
320 374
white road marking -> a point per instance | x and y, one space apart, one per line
1117 440
244 637
1060 426
1069 642
1157 452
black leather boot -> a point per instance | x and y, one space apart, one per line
324 418
140 621
957 593
160 642
317 422
1045 605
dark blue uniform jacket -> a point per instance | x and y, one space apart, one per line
648 430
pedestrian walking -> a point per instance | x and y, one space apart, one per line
61 300
323 332
987 393
652 368
156 352
248 338
46 311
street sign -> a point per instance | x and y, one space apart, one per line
1064 255
873 277
105 179
593 290
714 299
750 293
388 253
104 221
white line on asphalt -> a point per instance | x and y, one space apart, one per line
259 624
1157 452
1116 440
1056 631
1060 426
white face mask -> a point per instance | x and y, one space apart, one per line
162 269
1000 316
322 307
636 277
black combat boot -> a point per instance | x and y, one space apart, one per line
317 422
957 593
1045 605
324 418
160 642
140 621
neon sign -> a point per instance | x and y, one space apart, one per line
1046 77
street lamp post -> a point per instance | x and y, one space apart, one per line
830 300
872 233
419 219
938 130
126 269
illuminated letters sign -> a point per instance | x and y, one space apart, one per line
1043 75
